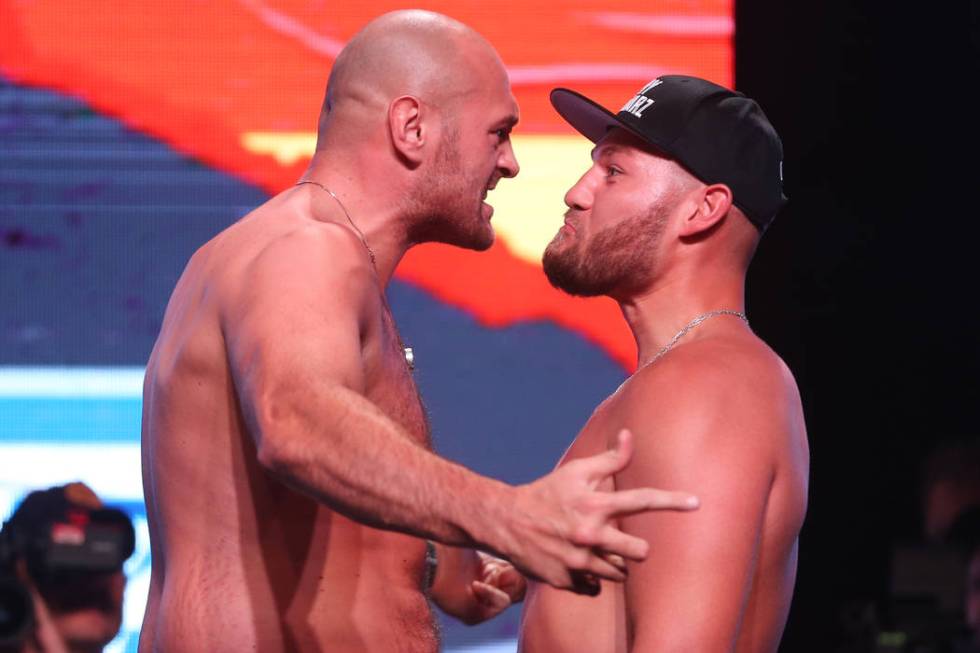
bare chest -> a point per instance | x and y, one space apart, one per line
390 384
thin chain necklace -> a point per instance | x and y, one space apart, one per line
690 325
344 209
408 351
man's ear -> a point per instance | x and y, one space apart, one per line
711 206
405 125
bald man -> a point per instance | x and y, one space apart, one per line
287 465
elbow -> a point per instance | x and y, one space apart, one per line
272 455
272 450
282 460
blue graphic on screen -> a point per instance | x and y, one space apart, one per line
96 224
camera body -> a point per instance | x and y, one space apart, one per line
61 546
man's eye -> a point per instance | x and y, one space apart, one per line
613 171
503 134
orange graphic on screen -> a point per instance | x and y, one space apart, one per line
237 85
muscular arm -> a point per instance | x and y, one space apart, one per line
698 428
295 338
295 345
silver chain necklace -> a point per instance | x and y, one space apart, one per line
690 325
344 209
408 351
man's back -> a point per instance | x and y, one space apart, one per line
241 561
722 416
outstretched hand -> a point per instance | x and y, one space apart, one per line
564 528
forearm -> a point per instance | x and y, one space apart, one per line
342 450
457 568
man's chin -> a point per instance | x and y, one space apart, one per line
485 242
479 240
566 276
561 278
570 286
476 243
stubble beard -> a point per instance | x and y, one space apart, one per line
447 209
617 261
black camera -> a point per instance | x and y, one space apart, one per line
62 545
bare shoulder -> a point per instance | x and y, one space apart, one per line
744 359
296 291
314 250
279 242
299 299
282 259
724 388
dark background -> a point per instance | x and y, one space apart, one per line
865 281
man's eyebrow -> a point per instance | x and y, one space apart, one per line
600 150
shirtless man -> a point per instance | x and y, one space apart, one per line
288 472
684 180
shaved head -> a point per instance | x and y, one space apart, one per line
418 113
413 52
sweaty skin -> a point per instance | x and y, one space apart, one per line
287 465
718 414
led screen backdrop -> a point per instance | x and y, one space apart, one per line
131 132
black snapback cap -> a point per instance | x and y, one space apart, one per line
718 134
44 519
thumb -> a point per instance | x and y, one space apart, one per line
490 596
617 457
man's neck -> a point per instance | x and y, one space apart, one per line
660 313
371 212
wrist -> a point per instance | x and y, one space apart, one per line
489 523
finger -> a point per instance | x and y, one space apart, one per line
513 584
616 561
630 502
601 568
613 460
508 575
487 560
616 547
490 596
492 576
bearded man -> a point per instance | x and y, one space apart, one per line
684 180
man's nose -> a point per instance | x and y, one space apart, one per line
508 162
579 196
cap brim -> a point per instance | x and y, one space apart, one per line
588 118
